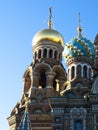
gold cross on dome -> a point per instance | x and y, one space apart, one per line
50 18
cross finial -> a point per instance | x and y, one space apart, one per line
79 29
50 18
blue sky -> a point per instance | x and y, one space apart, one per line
20 20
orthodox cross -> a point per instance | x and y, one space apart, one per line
50 18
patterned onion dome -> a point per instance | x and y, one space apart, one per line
48 34
79 46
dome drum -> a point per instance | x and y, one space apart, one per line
79 59
47 44
48 53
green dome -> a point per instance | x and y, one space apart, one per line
79 46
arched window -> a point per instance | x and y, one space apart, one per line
39 54
42 81
55 55
78 71
38 111
70 95
78 125
35 56
50 53
45 53
85 71
72 72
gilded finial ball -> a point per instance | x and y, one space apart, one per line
79 29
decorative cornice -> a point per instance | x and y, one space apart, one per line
79 59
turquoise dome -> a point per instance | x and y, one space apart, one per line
79 46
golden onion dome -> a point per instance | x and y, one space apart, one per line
48 34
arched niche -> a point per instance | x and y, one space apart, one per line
61 75
70 94
38 111
41 70
27 79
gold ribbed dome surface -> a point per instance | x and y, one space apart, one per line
48 34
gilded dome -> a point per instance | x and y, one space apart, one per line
79 46
48 34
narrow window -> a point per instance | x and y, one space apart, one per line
45 53
85 71
35 56
55 55
72 72
39 54
42 81
78 125
50 53
78 71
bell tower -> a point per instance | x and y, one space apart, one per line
47 46
42 79
51 98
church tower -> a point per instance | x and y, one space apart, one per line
51 98
42 79
95 66
79 55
